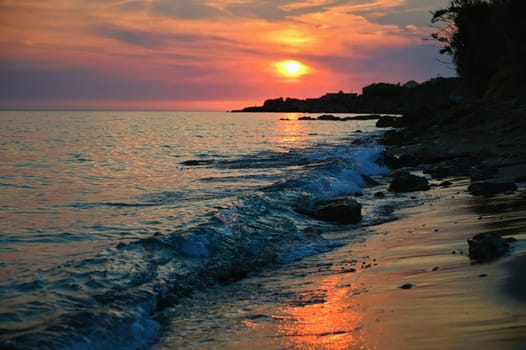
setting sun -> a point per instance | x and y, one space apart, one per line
291 68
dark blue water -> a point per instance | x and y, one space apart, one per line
109 218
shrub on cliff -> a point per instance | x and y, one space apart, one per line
487 39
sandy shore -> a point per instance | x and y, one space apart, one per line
350 298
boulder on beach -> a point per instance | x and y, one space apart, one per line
340 210
488 188
452 167
407 182
487 247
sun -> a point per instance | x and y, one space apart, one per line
291 68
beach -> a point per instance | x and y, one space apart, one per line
224 250
405 284
354 297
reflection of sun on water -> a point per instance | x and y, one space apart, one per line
290 131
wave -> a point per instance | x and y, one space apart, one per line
117 298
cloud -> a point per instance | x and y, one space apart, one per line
260 10
155 39
144 39
184 9
33 83
402 13
207 49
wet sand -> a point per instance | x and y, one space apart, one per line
350 298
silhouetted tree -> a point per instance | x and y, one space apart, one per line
486 39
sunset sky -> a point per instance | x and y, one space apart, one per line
207 54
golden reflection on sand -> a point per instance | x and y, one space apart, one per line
325 318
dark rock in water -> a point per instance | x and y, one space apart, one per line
341 210
366 117
406 182
379 194
488 188
406 286
387 121
487 247
195 162
328 117
445 184
306 118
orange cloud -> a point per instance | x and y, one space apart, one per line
192 44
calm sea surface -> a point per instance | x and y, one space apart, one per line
107 218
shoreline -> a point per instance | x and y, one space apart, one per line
351 297
408 284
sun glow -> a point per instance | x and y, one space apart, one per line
291 68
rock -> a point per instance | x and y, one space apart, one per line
406 286
328 117
341 210
387 121
445 184
487 247
453 167
369 181
406 182
488 188
196 162
379 194
365 117
393 137
306 118
396 161
483 172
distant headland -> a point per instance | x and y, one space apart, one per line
375 98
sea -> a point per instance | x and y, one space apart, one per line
110 220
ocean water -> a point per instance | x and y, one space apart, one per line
108 219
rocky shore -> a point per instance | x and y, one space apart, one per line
447 274
483 142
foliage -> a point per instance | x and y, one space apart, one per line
486 39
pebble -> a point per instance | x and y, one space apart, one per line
406 286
